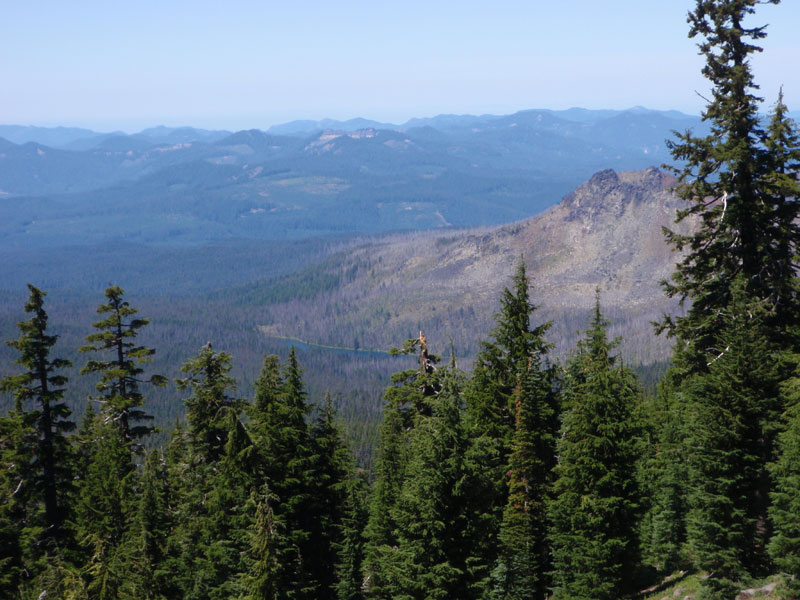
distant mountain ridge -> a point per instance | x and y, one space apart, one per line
188 186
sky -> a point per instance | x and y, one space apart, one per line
254 63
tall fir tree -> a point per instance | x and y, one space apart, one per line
283 438
524 565
407 402
502 363
594 508
148 576
739 181
663 479
210 476
104 508
15 436
38 394
121 374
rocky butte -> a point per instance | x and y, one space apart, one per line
607 233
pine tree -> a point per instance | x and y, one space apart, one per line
733 410
739 273
267 553
664 479
281 433
225 519
42 386
120 377
594 507
381 529
148 577
407 403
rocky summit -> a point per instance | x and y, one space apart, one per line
607 235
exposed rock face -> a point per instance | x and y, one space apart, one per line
607 234
606 192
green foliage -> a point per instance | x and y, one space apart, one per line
512 414
502 360
14 458
663 479
432 510
120 376
349 568
104 508
330 467
524 564
594 508
739 272
42 386
209 404
784 513
738 181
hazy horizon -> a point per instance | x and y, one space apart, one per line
249 64
178 125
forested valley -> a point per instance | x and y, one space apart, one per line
527 476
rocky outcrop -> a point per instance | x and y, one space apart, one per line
607 234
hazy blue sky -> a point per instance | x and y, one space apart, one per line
242 63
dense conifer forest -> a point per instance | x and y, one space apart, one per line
527 478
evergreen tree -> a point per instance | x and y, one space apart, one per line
739 273
785 510
664 479
349 569
148 577
283 438
733 410
268 550
225 519
524 565
42 386
15 436
594 507
381 530
330 467
432 516
209 403
407 402
104 509
738 181
517 351
120 377
499 365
